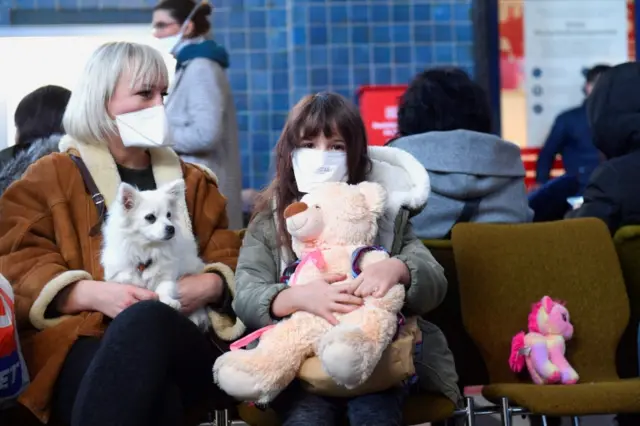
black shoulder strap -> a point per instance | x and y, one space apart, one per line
469 210
92 189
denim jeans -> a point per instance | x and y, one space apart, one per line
296 407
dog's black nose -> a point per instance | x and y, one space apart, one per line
170 230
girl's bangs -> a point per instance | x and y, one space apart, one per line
317 118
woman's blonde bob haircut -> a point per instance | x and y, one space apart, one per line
86 118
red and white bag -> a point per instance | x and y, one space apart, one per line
14 377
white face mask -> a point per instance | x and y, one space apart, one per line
147 128
169 44
314 166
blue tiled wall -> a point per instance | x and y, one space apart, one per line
282 50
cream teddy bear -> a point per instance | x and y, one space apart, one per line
333 229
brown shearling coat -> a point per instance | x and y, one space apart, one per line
45 219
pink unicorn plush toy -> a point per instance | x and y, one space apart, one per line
543 348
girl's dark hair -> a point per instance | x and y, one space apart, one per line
39 115
443 99
180 10
324 113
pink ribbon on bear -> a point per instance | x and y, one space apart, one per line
314 257
318 261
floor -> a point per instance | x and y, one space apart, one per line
517 420
520 421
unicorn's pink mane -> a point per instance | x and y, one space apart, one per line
533 318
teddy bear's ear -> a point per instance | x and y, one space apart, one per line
375 195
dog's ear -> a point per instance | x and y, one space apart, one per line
175 189
127 196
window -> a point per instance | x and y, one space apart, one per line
52 55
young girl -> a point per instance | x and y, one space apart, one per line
325 131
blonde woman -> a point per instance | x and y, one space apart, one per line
101 353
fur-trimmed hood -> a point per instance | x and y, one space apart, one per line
402 175
15 168
407 184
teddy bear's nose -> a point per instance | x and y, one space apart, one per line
294 209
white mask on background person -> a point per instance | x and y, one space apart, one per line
312 167
147 128
169 44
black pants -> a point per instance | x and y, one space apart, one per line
297 407
151 366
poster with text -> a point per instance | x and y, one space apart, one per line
561 40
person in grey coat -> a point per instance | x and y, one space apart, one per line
444 121
200 105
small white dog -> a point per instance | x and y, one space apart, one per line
145 243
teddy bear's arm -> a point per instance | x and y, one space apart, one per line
372 257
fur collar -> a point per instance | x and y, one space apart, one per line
164 162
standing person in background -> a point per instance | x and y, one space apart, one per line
200 106
38 121
571 137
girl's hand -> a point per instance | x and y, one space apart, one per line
320 297
106 297
197 291
378 278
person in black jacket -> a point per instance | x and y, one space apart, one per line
613 109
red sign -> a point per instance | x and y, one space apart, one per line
379 110
530 160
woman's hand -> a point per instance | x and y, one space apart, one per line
378 278
320 297
106 297
197 291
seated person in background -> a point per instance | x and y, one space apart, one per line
550 201
38 120
444 120
572 138
101 353
613 192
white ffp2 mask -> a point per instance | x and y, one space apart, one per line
147 128
312 167
169 44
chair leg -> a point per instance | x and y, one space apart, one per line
222 418
575 421
505 414
543 418
471 411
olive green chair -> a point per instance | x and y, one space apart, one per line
503 269
627 241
